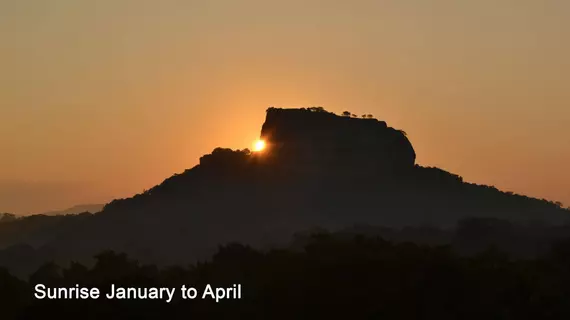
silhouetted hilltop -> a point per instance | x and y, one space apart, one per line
319 170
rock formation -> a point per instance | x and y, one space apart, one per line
318 139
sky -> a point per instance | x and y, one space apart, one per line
103 99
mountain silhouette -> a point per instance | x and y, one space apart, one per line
318 170
81 208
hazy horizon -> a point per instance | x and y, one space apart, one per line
101 100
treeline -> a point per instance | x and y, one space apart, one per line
333 277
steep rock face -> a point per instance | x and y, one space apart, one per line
308 138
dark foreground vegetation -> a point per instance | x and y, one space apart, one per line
331 277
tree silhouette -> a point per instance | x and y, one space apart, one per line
48 274
14 294
329 270
316 109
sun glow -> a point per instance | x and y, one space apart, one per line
259 145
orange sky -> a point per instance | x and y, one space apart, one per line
102 99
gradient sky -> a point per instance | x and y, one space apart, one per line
102 99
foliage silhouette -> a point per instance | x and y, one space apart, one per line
333 275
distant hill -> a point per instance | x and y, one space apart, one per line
92 208
319 170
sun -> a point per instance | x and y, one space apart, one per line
259 145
